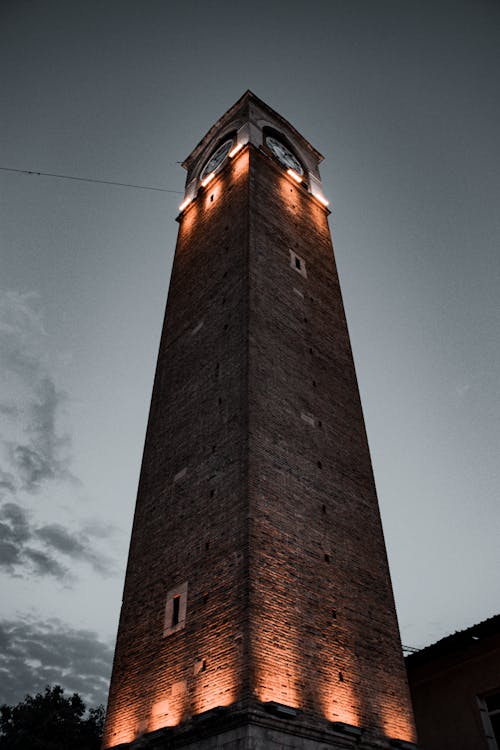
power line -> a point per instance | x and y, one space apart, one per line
411 649
89 179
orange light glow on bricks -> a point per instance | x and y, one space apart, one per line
164 714
341 704
120 732
397 725
211 196
277 660
212 689
240 165
278 688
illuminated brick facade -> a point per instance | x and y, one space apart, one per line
256 509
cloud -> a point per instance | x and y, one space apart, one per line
75 545
9 553
27 549
14 532
7 482
17 555
44 564
32 466
31 399
34 451
43 455
61 539
17 518
36 653
21 330
98 529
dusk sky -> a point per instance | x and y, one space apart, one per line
402 98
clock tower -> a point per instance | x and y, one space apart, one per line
257 609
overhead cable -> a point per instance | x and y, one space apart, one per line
89 179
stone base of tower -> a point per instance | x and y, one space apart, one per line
266 727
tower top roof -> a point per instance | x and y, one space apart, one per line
249 108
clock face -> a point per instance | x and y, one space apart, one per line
284 155
217 158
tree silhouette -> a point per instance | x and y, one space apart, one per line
50 721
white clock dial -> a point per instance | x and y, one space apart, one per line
217 158
284 155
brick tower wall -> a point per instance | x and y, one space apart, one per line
256 486
324 634
191 513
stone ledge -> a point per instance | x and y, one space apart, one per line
262 727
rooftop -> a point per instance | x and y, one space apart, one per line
458 641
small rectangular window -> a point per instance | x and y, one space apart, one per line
297 263
180 475
308 419
175 609
197 328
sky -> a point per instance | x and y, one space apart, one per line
402 99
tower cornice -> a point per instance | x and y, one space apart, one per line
240 113
252 121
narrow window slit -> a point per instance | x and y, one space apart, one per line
180 475
176 605
297 263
